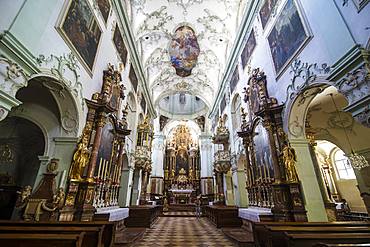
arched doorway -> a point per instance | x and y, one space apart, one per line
339 177
48 113
312 116
21 143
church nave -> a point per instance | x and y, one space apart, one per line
184 231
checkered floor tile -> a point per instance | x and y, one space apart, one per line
185 213
184 231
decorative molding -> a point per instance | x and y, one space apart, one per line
355 85
155 22
185 4
58 66
14 76
304 74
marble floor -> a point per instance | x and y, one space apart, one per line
184 231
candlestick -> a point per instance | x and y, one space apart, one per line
62 179
99 169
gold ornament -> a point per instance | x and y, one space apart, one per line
290 159
81 155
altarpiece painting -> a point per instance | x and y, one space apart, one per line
120 45
104 7
81 31
287 36
248 48
266 11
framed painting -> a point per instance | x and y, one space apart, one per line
234 79
266 11
223 104
360 4
287 37
248 49
133 78
263 154
79 28
143 104
104 7
120 45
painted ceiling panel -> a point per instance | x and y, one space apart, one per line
214 24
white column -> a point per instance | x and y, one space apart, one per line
314 202
126 185
158 155
206 156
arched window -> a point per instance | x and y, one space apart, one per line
343 166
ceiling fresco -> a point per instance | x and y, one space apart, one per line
184 51
184 44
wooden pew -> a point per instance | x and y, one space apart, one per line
143 215
41 240
105 234
92 237
274 233
342 245
310 239
223 216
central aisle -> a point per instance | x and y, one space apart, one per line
184 231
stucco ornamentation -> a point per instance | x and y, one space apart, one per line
303 75
355 85
155 22
65 68
185 4
15 77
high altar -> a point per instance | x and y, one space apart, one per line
182 169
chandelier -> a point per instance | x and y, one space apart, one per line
356 160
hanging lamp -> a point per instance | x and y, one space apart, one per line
356 160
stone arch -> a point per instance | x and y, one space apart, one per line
69 102
57 110
170 92
294 118
294 123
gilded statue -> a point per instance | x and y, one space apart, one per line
191 177
25 194
290 159
182 178
81 155
58 198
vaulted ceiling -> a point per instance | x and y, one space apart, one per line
215 24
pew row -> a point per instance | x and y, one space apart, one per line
95 233
276 234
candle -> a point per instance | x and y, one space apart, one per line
62 179
99 167
104 169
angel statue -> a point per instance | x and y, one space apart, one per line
81 156
290 159
23 196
